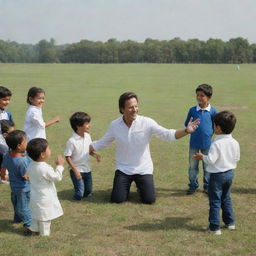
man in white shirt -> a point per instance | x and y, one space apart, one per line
132 134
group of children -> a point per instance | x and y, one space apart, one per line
33 193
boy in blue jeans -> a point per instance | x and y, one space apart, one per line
17 164
77 155
200 140
221 160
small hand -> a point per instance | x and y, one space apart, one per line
192 125
57 119
78 175
98 157
198 156
59 160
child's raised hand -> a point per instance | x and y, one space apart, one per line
59 160
57 119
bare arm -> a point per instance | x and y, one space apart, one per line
51 122
95 155
73 167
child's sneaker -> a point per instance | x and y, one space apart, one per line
214 232
230 227
191 191
4 182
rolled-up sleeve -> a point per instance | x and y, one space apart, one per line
161 132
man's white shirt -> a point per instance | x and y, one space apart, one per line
132 144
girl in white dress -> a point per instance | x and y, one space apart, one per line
34 125
44 202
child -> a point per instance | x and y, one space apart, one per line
221 161
5 97
7 126
34 125
17 164
44 202
77 155
200 140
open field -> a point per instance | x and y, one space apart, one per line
173 225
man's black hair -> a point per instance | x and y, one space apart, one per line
124 97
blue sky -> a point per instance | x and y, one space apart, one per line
67 21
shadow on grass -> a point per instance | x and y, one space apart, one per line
244 190
166 192
99 196
7 226
166 224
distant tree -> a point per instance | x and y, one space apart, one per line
238 50
47 51
213 51
194 50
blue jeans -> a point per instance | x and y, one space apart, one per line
82 187
20 203
194 169
219 197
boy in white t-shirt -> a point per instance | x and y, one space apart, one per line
221 162
77 155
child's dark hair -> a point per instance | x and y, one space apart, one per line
124 97
226 120
5 125
35 147
206 88
5 92
78 119
14 138
32 92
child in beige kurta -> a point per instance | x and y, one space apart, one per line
44 202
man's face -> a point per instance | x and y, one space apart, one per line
130 109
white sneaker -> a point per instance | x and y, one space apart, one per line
230 227
4 182
214 232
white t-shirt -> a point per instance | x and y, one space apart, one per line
77 148
223 155
34 125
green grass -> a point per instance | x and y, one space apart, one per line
173 225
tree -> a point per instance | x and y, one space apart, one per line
47 51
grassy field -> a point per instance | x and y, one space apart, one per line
173 225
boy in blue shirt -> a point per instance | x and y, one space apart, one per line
17 164
200 140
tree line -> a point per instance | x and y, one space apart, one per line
236 50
